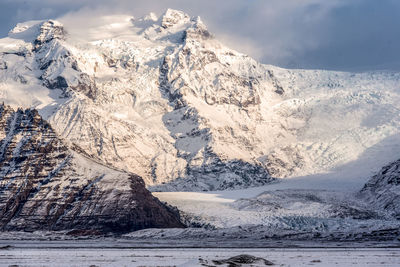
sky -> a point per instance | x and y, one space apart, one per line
348 35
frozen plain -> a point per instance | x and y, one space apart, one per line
49 255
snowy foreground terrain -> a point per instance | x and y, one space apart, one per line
196 257
129 252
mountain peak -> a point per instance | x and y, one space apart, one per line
49 30
199 29
173 17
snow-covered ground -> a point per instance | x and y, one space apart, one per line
57 257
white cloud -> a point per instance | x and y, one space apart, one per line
272 30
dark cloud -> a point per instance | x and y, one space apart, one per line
335 34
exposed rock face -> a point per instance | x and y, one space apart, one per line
240 260
49 31
46 186
383 190
59 69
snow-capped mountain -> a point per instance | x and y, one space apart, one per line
44 185
162 98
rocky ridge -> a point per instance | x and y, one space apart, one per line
44 185
383 190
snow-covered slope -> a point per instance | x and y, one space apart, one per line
44 185
161 97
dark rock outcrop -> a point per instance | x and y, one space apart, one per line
49 30
383 190
241 260
44 185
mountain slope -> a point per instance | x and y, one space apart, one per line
161 97
44 185
383 190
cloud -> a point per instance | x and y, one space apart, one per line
281 29
334 34
269 30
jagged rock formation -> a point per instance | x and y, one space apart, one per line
161 97
44 185
383 190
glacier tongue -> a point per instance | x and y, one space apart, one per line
161 97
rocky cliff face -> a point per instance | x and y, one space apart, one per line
161 97
44 185
383 190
